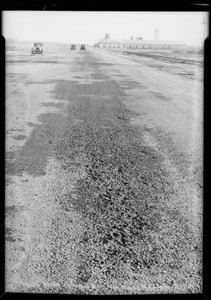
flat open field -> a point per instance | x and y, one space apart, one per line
103 173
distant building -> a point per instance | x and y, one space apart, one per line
139 43
107 36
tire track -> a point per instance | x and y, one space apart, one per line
133 239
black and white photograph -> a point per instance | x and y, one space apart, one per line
104 151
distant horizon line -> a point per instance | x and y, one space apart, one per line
88 43
44 41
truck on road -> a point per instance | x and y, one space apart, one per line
73 47
83 47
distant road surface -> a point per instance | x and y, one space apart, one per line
103 175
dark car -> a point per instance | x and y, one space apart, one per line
83 47
73 47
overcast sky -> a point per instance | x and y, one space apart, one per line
89 27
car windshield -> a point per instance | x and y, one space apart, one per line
38 44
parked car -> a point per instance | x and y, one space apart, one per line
73 47
37 49
83 47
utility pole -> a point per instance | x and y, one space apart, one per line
156 34
156 37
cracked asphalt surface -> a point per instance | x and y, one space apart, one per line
104 176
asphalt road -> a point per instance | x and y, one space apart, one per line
104 175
